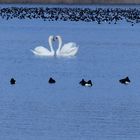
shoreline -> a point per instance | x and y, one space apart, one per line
71 2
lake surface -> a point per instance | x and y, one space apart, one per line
32 109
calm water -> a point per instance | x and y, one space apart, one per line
34 110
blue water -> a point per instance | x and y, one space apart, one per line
34 110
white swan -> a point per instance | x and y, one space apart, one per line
42 51
67 50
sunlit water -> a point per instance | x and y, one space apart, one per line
34 110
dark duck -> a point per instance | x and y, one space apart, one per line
51 81
125 81
86 83
12 81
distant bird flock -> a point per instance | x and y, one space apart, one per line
98 15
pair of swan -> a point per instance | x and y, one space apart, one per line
69 49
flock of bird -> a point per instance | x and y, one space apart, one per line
69 49
98 15
88 83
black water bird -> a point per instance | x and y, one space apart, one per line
86 83
51 81
12 81
82 82
125 81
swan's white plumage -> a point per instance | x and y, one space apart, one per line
42 51
69 49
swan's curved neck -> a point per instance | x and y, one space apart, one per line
59 45
50 44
